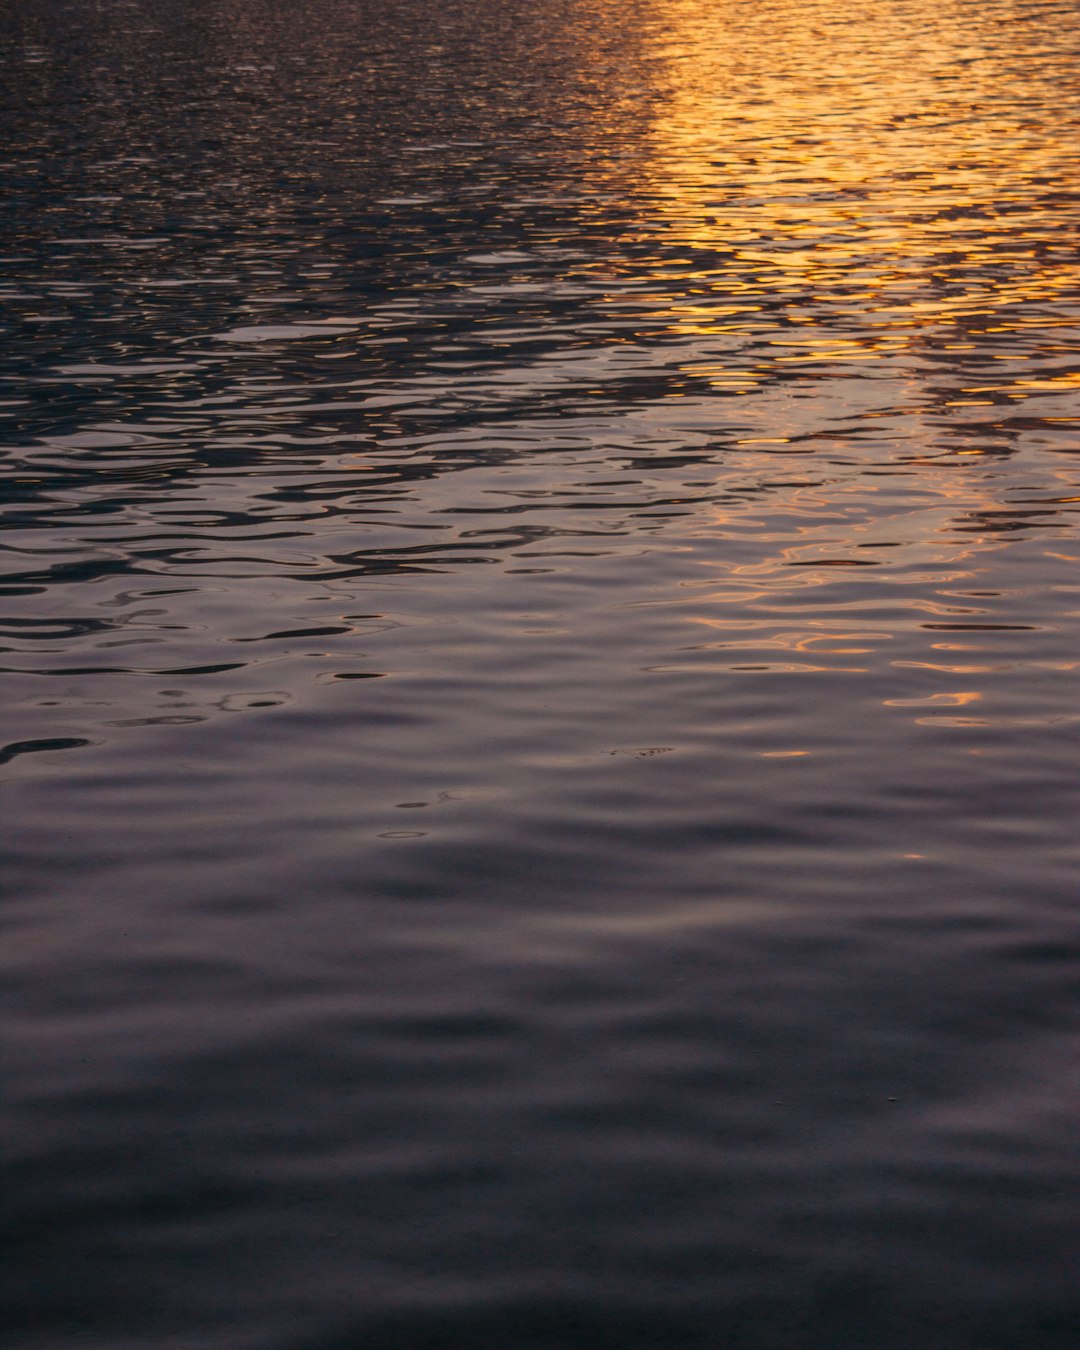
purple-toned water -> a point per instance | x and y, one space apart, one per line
540 620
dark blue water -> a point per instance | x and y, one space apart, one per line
540 614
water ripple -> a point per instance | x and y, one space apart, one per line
538 611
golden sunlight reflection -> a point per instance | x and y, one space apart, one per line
835 178
857 274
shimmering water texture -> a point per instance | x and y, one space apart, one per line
540 644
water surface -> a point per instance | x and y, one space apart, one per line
540 622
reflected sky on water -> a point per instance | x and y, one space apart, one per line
539 613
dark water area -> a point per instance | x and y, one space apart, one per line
540 726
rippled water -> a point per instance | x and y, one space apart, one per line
540 623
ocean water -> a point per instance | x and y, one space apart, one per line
540 613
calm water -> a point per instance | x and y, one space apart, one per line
540 621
